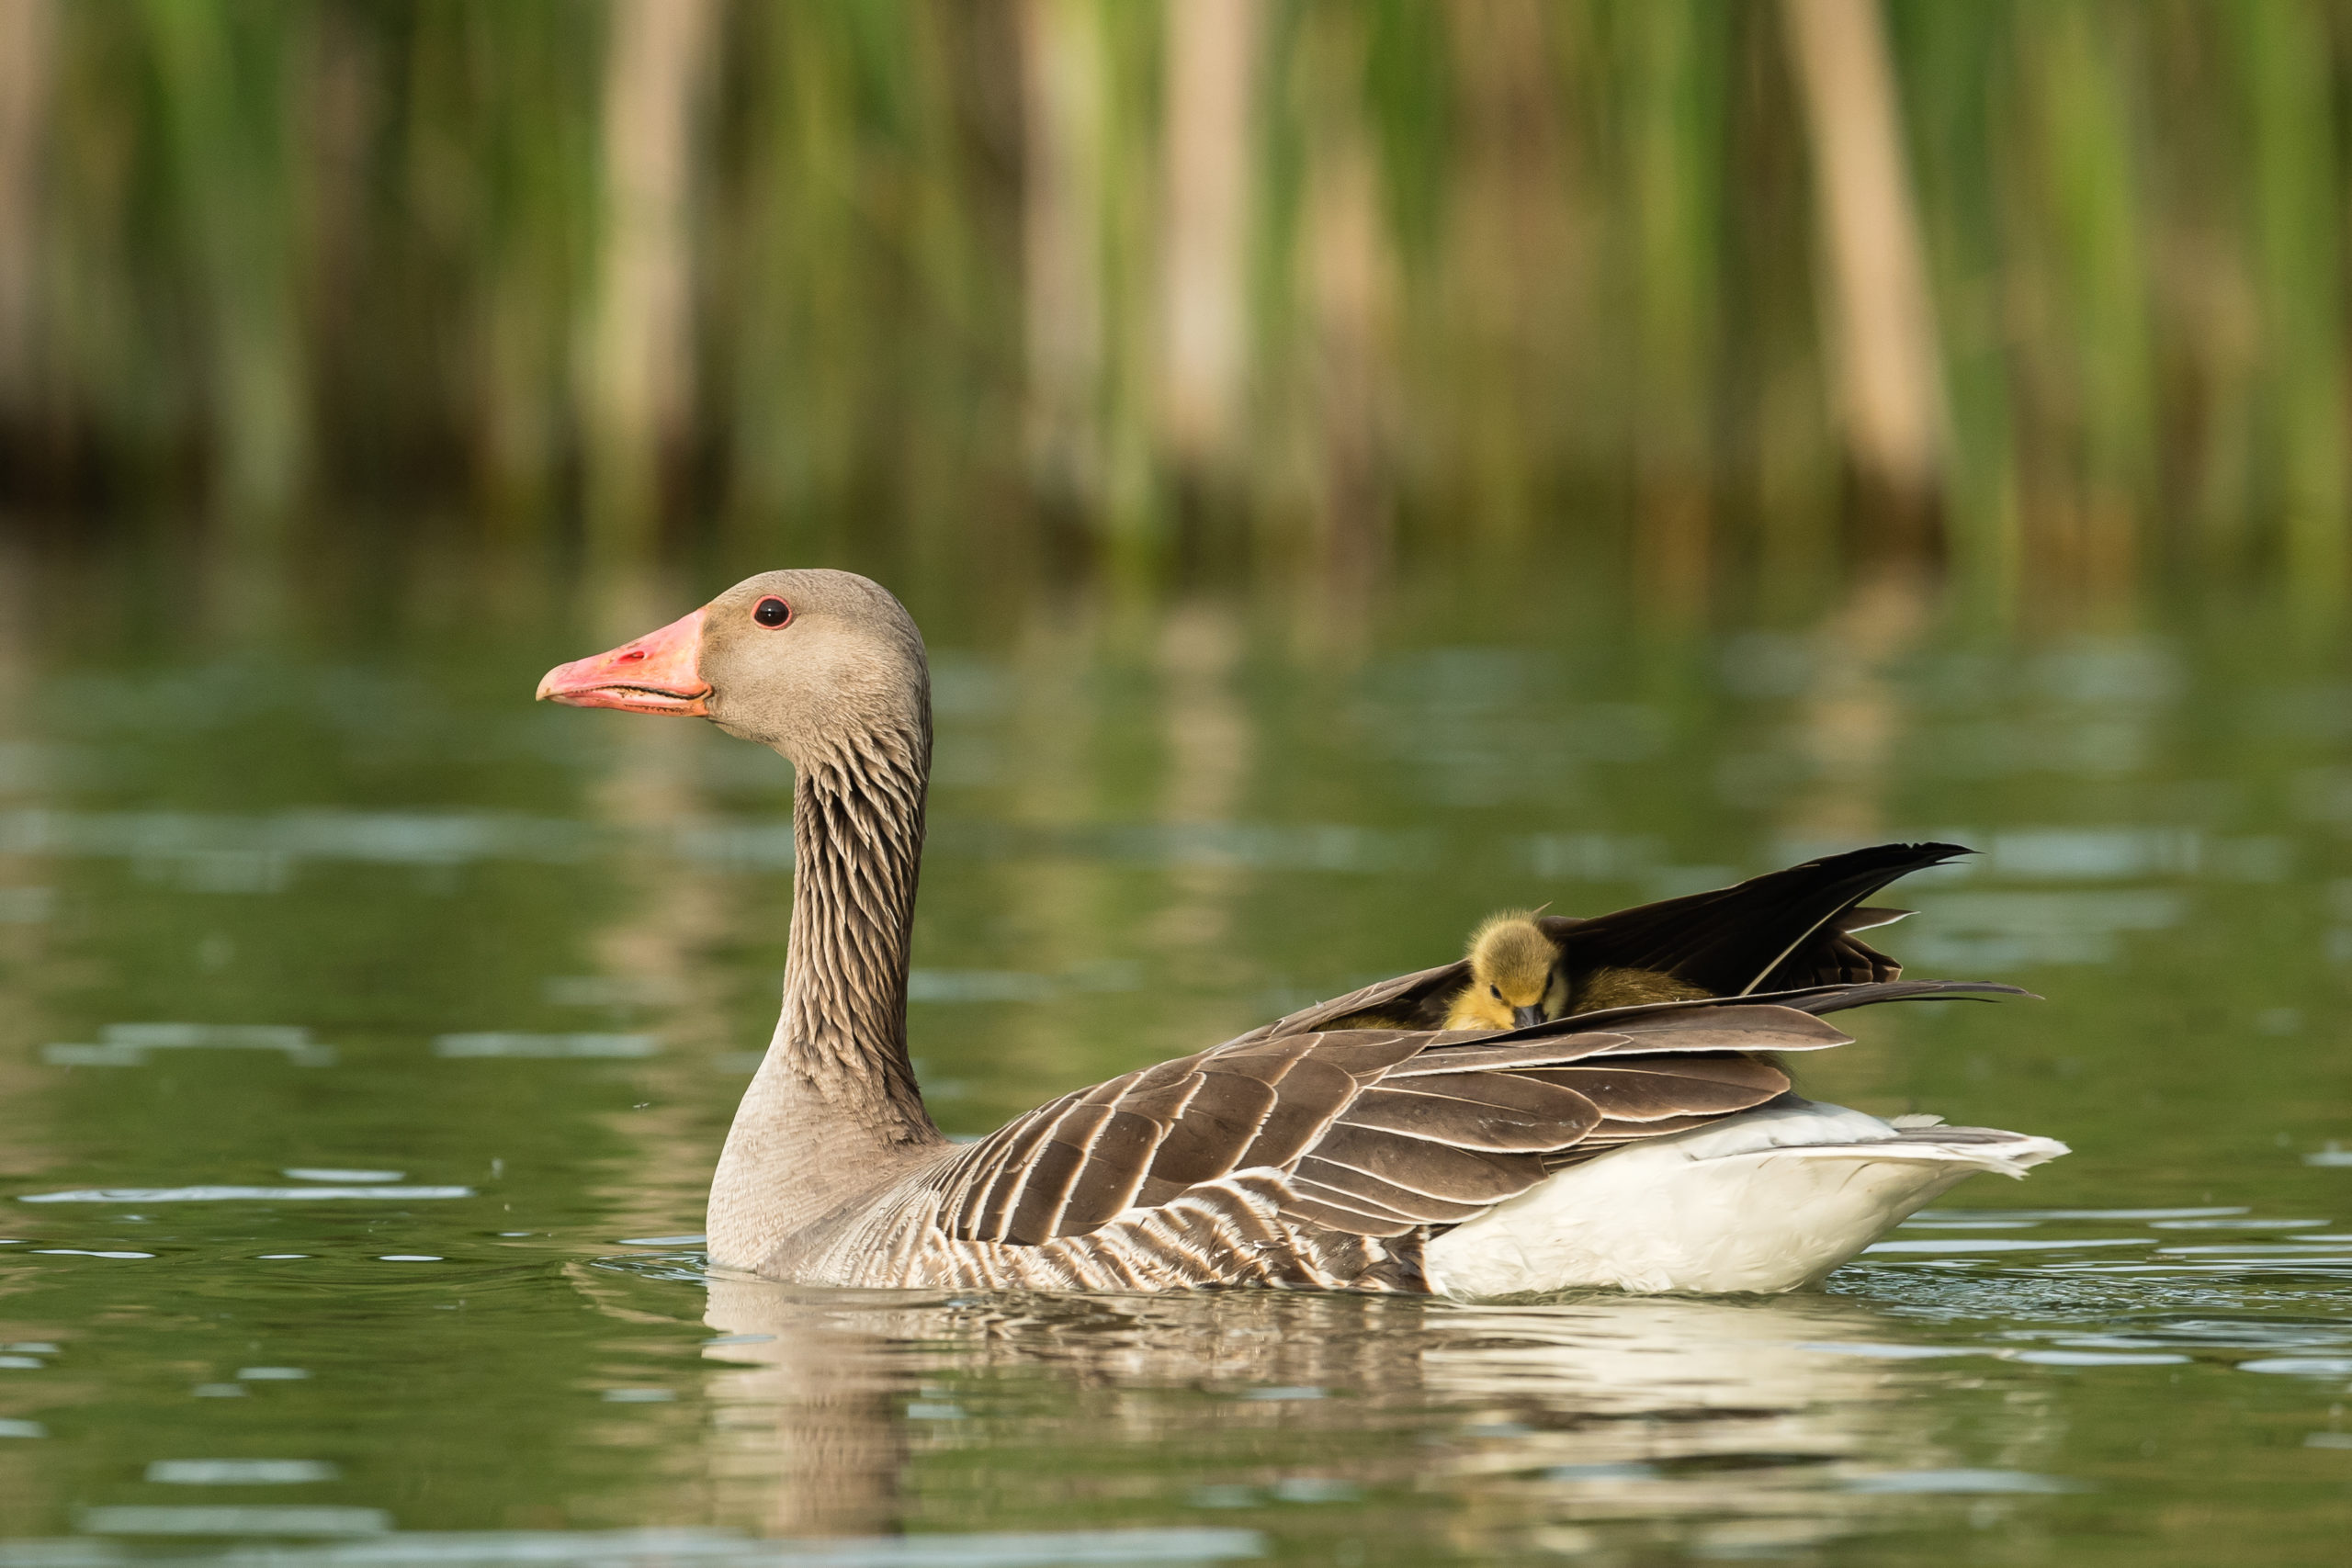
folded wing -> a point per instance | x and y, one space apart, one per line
1374 1132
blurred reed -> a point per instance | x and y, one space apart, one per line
1720 291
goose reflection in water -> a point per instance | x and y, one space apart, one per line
1561 1423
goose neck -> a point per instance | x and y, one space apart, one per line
833 1109
857 829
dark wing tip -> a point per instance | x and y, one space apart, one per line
1916 856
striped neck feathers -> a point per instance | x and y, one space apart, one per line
857 828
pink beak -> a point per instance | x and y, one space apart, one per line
654 674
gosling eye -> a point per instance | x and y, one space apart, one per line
771 613
1495 992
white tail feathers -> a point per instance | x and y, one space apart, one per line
1768 1200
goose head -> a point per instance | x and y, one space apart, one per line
804 661
1515 977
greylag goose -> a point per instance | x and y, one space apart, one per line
1647 1147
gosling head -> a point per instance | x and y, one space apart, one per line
1514 975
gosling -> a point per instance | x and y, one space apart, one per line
1516 977
1614 987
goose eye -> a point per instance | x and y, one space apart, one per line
1495 992
771 613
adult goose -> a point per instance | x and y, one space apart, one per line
1653 1146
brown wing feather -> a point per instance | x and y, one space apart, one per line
1346 1186
1651 1089
1369 1056
1222 1120
1313 1095
1538 1121
1417 998
1117 1159
1818 999
1268 1061
1707 1025
1610 1134
992 1178
1768 1025
1344 1217
1051 1176
1747 1027
1475 1053
1435 1170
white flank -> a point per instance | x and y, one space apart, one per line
1770 1200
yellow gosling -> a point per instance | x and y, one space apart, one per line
1515 977
1599 988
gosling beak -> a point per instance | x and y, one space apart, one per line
1521 1017
654 674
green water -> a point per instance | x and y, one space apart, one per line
522 954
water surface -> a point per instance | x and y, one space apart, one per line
368 1034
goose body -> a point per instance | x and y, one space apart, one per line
1647 1146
